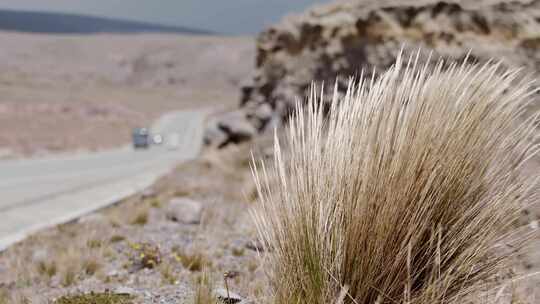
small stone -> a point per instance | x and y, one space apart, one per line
255 245
227 297
40 255
148 193
113 273
184 210
95 218
124 290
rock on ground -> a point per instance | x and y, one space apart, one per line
184 210
124 290
149 193
227 297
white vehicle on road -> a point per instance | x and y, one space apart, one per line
157 139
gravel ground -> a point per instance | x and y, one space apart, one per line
115 249
104 251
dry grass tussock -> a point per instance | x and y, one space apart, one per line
405 193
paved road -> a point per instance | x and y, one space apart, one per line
39 193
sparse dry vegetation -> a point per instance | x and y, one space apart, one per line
193 261
141 217
46 268
4 296
94 243
406 193
222 242
167 273
156 203
91 266
68 276
146 255
237 251
109 240
405 190
117 238
203 290
95 298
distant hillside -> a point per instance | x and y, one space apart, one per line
59 23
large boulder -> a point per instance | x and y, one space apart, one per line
237 127
214 136
344 38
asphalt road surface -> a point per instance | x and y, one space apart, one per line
40 193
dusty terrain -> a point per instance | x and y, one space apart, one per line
136 248
62 93
107 250
65 93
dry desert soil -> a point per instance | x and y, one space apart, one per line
135 247
68 93
65 93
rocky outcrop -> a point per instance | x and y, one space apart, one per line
347 37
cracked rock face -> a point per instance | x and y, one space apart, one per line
345 37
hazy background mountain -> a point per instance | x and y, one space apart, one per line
231 16
59 23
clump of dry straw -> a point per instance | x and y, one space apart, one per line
406 192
